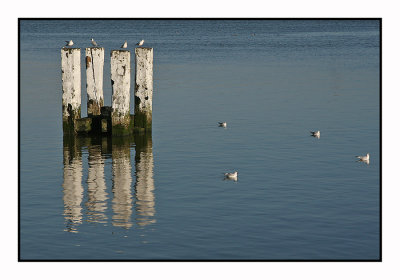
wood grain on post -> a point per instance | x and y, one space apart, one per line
94 80
71 87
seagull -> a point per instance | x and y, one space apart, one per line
140 43
316 134
94 43
69 43
364 158
222 124
231 176
124 45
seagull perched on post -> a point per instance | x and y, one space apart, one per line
140 43
222 124
69 43
124 45
94 43
316 133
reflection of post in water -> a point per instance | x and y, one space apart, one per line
72 185
97 190
99 149
144 186
122 180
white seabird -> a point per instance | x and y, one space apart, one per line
94 43
222 124
69 43
316 133
364 158
124 45
231 176
140 43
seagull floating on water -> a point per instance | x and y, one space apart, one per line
222 124
231 176
140 43
364 158
316 134
124 45
94 43
69 43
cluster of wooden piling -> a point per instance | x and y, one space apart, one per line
115 120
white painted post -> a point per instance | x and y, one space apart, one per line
143 88
120 82
94 80
71 86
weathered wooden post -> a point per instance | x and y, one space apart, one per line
71 86
94 80
121 82
143 88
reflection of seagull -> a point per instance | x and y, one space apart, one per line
69 43
316 133
94 43
222 124
231 176
140 43
364 158
124 45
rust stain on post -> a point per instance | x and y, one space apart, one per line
88 60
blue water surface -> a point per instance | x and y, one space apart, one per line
164 196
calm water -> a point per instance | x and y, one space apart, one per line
163 196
